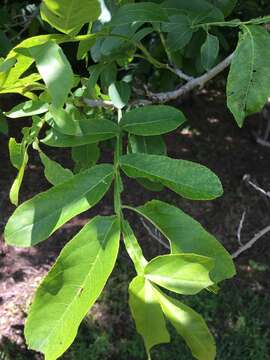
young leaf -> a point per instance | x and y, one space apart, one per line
190 325
209 51
55 70
133 248
69 16
28 108
147 314
185 274
179 32
249 77
188 179
186 235
15 188
85 156
119 93
152 120
72 286
36 219
53 171
16 153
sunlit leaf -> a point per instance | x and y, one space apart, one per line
72 287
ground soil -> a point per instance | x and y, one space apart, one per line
210 137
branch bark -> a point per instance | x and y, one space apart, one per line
249 244
200 81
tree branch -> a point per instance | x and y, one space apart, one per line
249 244
192 84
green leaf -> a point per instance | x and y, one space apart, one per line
199 11
69 16
190 325
133 248
186 235
147 314
16 153
28 108
249 77
152 120
185 274
188 179
15 188
119 93
55 70
36 219
147 145
85 156
72 286
226 6
142 12
210 51
88 131
53 171
179 32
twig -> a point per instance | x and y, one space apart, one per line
153 235
27 24
182 75
192 84
109 104
98 103
240 227
256 187
251 242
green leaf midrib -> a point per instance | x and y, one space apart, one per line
82 285
161 178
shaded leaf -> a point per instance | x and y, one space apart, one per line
249 77
53 171
210 51
85 156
